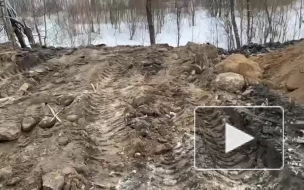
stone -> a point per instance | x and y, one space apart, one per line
72 118
65 100
47 122
69 170
198 69
59 81
13 181
137 155
294 81
210 51
117 166
162 140
193 72
52 181
138 145
6 173
62 141
25 87
46 134
162 149
231 82
28 124
238 63
10 131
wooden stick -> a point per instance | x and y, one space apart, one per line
57 113
94 88
54 114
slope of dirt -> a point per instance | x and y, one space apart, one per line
284 70
124 121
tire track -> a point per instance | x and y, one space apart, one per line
105 112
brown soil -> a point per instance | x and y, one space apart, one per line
284 70
125 119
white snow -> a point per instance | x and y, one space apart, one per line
207 29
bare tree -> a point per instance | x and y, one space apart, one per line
178 12
150 21
193 11
6 21
248 22
235 28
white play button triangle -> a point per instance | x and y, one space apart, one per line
235 138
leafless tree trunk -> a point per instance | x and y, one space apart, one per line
178 12
248 22
28 32
45 26
7 23
38 33
150 21
193 10
235 29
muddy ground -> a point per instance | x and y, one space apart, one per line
122 118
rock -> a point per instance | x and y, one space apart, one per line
28 124
137 155
6 173
193 72
13 181
46 134
47 122
62 141
59 81
72 118
162 149
231 82
82 122
294 81
52 181
10 131
210 51
138 145
198 69
117 166
191 78
68 171
65 100
239 64
162 140
25 87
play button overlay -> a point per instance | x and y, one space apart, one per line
238 138
235 138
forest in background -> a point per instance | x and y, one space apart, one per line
240 21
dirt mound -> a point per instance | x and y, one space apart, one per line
284 70
116 118
239 64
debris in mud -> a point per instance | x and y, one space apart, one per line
62 141
162 149
13 181
52 181
6 173
47 122
65 100
72 118
9 131
28 124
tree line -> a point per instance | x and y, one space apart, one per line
242 20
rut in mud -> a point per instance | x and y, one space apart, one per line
125 122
